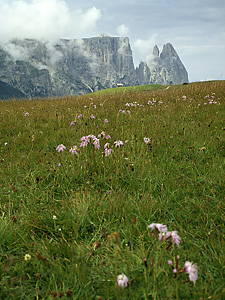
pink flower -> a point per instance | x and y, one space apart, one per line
108 137
192 270
107 151
92 117
80 116
170 262
60 148
175 237
96 143
118 143
122 280
106 121
73 150
167 235
84 143
160 227
106 145
73 123
147 140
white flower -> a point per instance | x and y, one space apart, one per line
122 280
54 217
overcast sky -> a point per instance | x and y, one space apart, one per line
196 28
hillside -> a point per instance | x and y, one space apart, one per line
117 194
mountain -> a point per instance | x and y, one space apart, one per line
42 69
8 92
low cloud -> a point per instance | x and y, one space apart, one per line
122 30
145 47
49 20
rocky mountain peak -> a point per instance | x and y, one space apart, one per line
40 69
155 51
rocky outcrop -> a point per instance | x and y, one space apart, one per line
165 68
41 69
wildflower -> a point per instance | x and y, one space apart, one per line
59 165
6 143
170 262
92 117
27 257
150 102
54 217
80 116
60 148
107 151
147 140
106 145
122 280
128 111
175 237
106 121
118 143
164 235
73 123
192 270
91 99
159 227
73 150
108 136
96 143
84 144
184 97
102 134
26 114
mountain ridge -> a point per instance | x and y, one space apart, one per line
42 69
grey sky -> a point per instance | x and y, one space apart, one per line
196 28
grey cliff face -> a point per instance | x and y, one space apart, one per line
165 68
41 69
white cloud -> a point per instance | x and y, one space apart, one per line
48 20
145 47
122 30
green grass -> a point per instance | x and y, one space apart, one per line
130 89
62 209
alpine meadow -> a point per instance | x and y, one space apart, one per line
117 194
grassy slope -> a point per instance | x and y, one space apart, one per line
177 180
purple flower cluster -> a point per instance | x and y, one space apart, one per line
85 140
211 99
95 141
